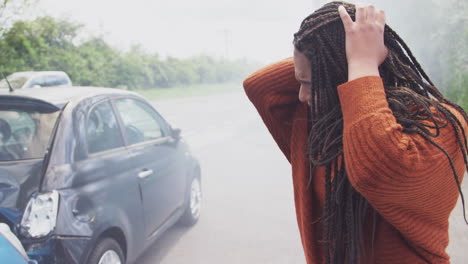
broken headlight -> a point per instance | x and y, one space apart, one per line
40 216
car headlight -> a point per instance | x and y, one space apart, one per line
40 216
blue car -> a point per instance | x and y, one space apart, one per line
92 175
11 250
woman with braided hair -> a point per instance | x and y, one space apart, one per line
377 152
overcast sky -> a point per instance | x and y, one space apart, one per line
260 30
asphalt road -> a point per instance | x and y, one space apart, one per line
248 212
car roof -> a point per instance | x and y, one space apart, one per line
34 73
61 95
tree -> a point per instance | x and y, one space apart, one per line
436 32
47 43
37 45
454 50
11 10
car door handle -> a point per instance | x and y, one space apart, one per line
145 174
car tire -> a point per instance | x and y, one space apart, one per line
107 251
193 203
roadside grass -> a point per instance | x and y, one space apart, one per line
188 91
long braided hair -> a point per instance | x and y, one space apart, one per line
411 96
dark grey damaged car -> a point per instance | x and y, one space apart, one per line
91 175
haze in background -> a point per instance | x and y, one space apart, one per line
256 29
259 30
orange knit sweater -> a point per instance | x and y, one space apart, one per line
405 178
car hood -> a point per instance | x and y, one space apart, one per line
18 181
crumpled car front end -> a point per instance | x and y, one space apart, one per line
49 248
11 250
57 249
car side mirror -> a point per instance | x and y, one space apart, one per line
176 133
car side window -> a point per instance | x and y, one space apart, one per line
56 80
140 121
38 80
17 130
102 129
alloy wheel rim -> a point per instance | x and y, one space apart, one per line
195 198
110 257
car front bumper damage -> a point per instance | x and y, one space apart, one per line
57 249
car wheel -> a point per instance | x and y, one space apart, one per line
193 205
107 251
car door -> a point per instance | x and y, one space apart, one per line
105 179
159 167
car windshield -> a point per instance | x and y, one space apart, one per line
25 134
16 81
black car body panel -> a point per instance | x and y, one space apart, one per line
18 181
27 103
57 249
101 193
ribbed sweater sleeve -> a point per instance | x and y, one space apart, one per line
407 179
273 90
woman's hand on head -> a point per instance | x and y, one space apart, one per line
365 48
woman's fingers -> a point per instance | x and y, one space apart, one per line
364 14
361 13
347 21
365 46
380 17
370 13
